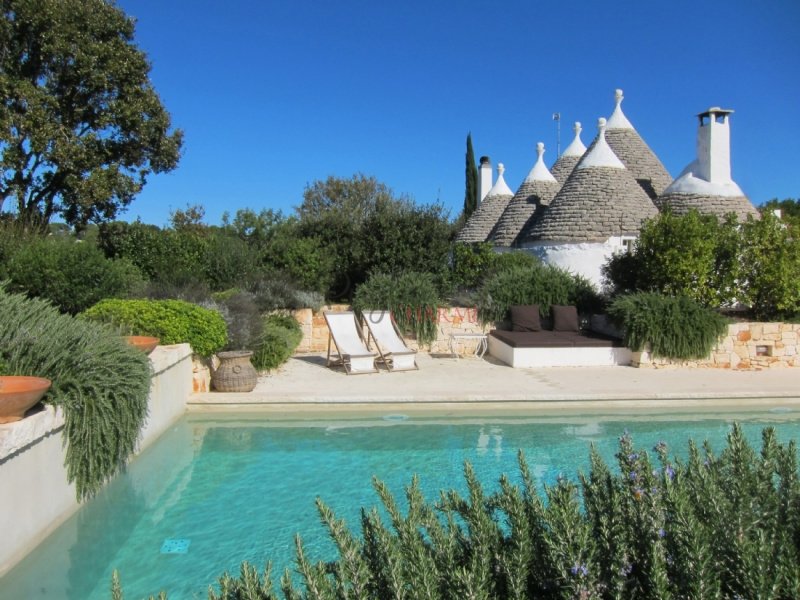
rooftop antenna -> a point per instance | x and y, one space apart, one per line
557 119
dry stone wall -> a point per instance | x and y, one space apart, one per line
452 320
747 346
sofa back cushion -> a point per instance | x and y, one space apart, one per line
565 318
525 318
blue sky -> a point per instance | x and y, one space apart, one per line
274 95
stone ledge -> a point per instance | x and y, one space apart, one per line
18 435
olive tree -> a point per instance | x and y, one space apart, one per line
81 126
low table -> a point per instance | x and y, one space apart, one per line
460 338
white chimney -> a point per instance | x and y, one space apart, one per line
484 177
714 146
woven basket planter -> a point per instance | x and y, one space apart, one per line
235 372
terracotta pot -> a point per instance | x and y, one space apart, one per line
145 343
235 372
18 393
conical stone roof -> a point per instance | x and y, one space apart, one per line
634 153
537 190
481 223
571 156
600 199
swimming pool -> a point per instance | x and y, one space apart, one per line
217 490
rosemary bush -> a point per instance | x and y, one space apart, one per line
534 283
674 327
712 526
101 383
172 321
280 336
412 297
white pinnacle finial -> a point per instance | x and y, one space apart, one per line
540 172
576 147
500 187
618 120
601 155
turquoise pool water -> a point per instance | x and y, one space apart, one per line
211 493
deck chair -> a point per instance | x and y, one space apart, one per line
352 353
394 352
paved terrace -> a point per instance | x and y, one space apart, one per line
449 386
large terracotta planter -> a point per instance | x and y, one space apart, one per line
19 393
235 372
145 343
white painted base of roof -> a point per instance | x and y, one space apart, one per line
585 259
687 183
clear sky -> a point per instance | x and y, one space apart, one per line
275 95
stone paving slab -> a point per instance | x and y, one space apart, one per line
441 379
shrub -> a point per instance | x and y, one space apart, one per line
713 526
544 285
172 321
101 382
678 328
277 292
72 274
412 297
471 262
242 318
229 262
280 337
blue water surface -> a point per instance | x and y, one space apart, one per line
214 492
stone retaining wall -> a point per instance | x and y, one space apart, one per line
451 320
746 346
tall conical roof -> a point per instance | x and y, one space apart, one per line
570 158
706 184
537 190
635 154
480 225
600 199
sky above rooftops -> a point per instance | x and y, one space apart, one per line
275 95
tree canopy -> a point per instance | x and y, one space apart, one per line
81 126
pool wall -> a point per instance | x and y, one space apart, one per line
35 496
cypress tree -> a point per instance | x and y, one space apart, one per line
471 194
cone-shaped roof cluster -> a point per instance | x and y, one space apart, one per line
535 193
481 223
600 199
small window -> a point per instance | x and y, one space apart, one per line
764 350
627 244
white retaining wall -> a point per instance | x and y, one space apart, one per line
35 497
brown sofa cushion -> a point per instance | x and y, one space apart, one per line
565 318
525 318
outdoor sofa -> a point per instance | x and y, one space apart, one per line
564 343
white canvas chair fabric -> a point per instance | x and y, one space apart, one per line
353 353
395 354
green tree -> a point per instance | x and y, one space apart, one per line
471 194
81 126
771 267
692 255
790 210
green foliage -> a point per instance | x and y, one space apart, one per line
172 321
302 260
72 274
471 186
713 526
412 297
535 283
692 255
280 336
790 211
81 126
771 268
101 383
366 229
242 318
471 263
674 327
